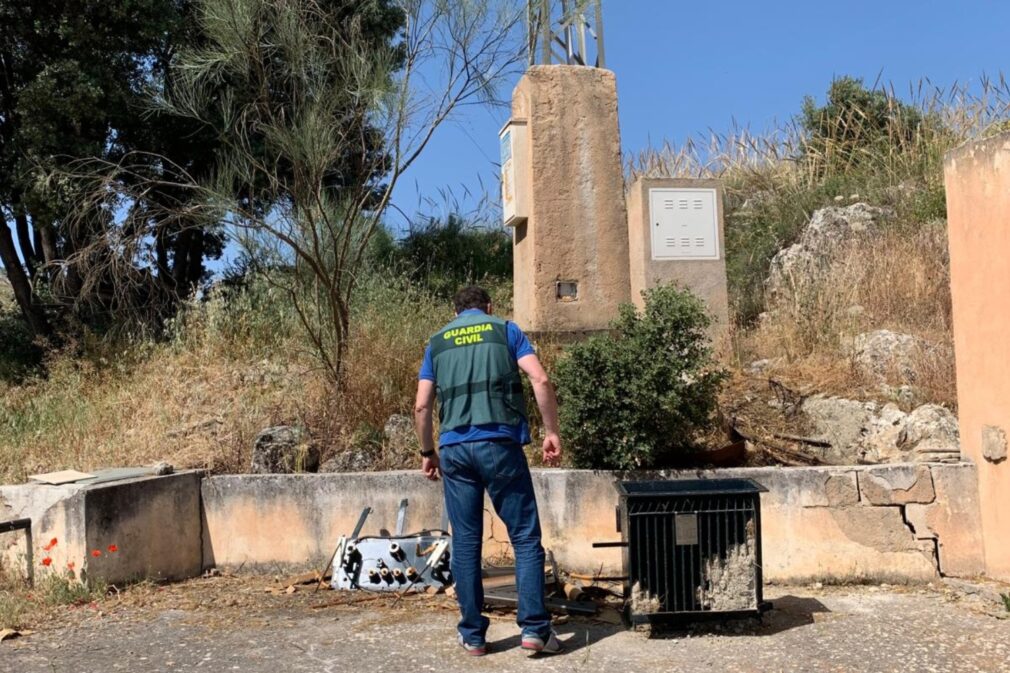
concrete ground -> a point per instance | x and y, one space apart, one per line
227 624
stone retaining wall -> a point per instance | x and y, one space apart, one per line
895 523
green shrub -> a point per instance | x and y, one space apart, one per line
636 398
857 123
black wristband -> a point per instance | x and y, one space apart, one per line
428 454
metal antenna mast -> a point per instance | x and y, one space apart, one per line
562 25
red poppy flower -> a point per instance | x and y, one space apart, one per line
52 543
47 561
96 553
113 549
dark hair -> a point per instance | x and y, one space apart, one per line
471 297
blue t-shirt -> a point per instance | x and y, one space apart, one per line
519 347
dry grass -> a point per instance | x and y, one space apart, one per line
233 367
897 280
14 603
194 405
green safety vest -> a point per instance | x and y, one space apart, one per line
476 378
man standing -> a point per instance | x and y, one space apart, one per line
473 366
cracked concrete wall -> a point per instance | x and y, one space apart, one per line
977 178
895 523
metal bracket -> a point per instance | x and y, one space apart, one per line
401 517
361 522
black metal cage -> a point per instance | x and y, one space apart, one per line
692 548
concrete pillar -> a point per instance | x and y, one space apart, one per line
571 253
977 177
675 235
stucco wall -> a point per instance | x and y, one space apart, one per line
898 523
841 524
977 178
270 520
704 277
577 226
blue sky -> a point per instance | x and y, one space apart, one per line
686 67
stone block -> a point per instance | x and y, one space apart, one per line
993 443
841 489
56 512
154 523
896 485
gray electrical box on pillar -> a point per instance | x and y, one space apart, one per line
675 235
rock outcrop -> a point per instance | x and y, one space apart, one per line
399 433
881 353
283 449
865 432
803 262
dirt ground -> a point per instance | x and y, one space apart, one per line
253 624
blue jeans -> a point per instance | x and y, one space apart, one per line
500 468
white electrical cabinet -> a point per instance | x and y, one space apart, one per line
684 223
514 197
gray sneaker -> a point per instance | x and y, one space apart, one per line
535 643
472 650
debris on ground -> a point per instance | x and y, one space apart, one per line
10 634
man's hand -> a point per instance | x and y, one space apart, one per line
429 466
552 449
548 404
